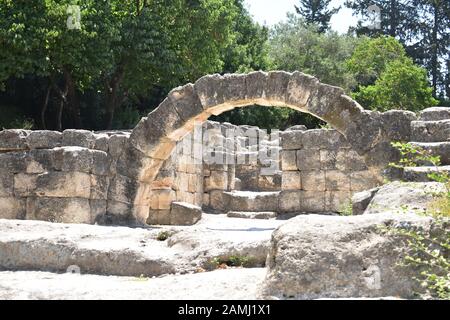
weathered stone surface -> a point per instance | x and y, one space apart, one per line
435 114
288 160
313 180
421 174
441 149
218 180
312 201
299 127
338 257
300 88
252 201
337 201
404 197
61 210
184 214
210 90
252 215
362 180
308 159
78 138
336 180
13 139
430 131
363 140
289 201
73 159
44 139
361 200
224 284
6 183
277 83
116 145
322 101
186 102
291 180
53 184
12 208
101 142
397 124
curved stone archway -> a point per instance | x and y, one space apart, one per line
155 136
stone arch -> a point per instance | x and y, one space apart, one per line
155 136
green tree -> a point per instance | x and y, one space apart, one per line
402 85
371 56
317 12
294 45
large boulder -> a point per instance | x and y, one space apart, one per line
403 197
184 214
340 257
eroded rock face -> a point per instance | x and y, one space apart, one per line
337 257
404 197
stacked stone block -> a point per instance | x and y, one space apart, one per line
320 171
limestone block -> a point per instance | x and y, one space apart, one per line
277 84
218 201
337 201
270 182
53 184
98 210
210 90
324 102
116 213
101 163
312 201
186 101
337 180
361 200
234 88
362 180
397 124
122 189
435 114
99 187
6 183
12 208
308 159
348 160
25 184
289 201
184 214
291 140
73 159
13 162
44 139
218 180
116 145
159 217
300 87
205 199
256 84
365 131
328 159
40 161
61 210
79 138
192 183
165 198
101 142
288 160
299 127
13 139
291 180
313 180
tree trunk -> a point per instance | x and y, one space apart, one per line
112 92
393 18
63 100
45 105
434 50
73 101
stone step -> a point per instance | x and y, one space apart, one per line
430 131
252 201
252 214
420 174
122 251
435 114
223 284
441 149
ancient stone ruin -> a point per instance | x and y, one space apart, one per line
133 177
175 166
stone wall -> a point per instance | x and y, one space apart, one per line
320 171
60 177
